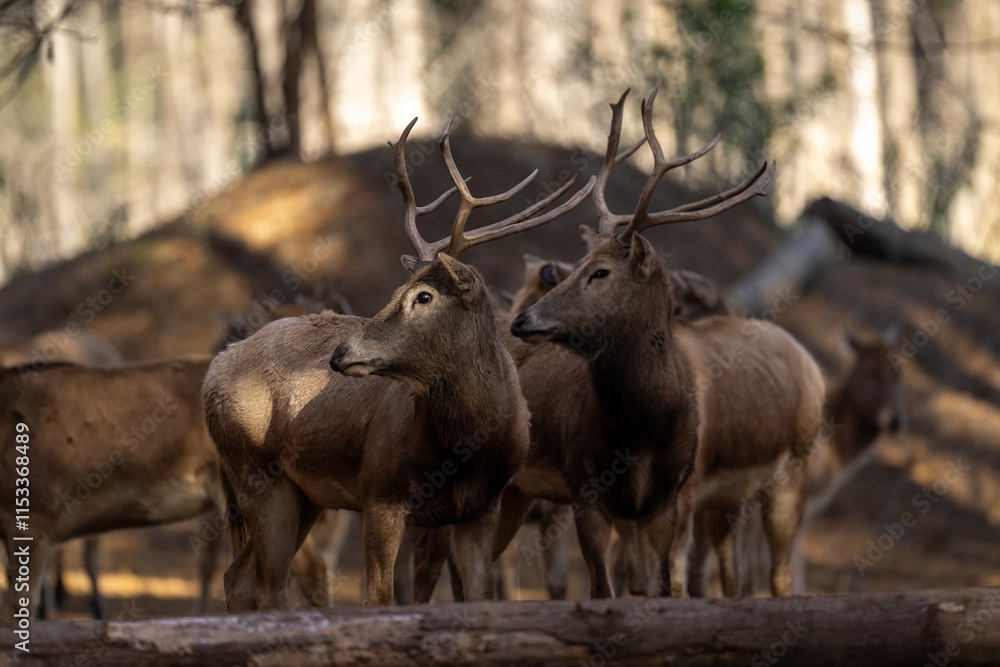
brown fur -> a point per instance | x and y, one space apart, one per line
645 382
867 403
80 422
447 400
37 351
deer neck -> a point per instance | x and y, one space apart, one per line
471 398
640 375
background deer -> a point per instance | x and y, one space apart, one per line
113 448
36 351
424 398
660 393
865 404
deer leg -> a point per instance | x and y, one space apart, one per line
238 581
92 563
594 532
382 528
556 566
430 553
474 541
330 534
752 551
679 550
403 570
309 571
207 559
59 592
724 542
782 517
656 538
697 554
277 532
455 575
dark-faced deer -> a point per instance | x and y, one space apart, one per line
416 419
695 297
658 416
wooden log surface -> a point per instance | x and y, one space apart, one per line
953 627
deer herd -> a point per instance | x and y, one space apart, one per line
615 392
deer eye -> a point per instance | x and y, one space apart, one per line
599 273
424 297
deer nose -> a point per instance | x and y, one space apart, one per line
518 323
337 357
894 424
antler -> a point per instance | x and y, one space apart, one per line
459 241
608 221
642 219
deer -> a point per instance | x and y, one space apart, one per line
695 296
115 447
864 405
683 415
36 352
416 418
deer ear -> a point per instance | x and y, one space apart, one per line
590 236
460 274
409 262
642 257
531 260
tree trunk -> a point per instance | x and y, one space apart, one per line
957 626
290 81
245 22
310 44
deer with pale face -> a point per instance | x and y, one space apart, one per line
416 419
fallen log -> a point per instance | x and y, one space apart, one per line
882 239
960 626
794 268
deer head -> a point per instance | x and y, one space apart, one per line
873 386
622 278
439 317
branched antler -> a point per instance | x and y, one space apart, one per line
459 240
608 221
642 219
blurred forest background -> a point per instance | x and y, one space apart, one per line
119 114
